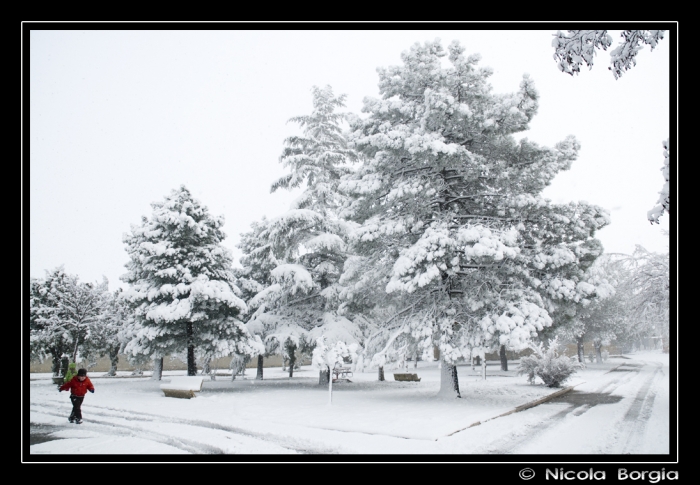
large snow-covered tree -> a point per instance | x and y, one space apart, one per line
64 316
181 284
307 244
451 213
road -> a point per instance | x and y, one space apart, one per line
618 414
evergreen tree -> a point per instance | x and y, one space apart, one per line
451 213
181 284
307 244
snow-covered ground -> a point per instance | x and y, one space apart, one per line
619 406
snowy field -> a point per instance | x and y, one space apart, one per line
619 406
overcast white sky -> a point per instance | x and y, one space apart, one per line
120 118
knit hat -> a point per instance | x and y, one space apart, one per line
82 372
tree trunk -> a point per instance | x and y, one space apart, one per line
449 385
292 361
191 363
598 344
238 363
291 352
324 376
244 365
415 359
380 373
206 366
504 359
75 349
113 361
259 375
483 369
579 349
157 369
55 365
330 388
64 365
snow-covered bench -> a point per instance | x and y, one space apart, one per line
182 387
341 373
406 377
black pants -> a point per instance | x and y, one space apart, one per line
77 401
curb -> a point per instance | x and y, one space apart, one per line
619 365
522 407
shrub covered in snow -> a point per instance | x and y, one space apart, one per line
548 365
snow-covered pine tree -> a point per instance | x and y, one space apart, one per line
181 284
307 242
278 331
451 213
257 261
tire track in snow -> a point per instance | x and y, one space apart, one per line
135 431
639 412
527 432
104 412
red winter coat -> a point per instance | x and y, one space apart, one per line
76 387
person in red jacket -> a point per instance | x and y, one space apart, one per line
78 385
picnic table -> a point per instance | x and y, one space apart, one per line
341 373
